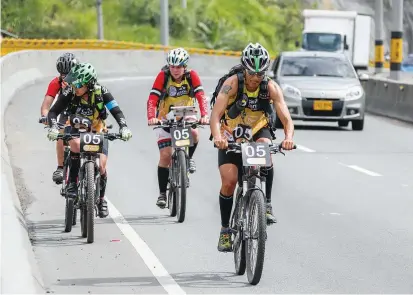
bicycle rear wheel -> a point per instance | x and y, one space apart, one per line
90 201
69 214
256 231
181 185
172 200
238 237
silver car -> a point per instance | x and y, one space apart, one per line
320 86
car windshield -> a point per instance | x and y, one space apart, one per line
316 66
322 41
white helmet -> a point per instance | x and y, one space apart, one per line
255 58
177 57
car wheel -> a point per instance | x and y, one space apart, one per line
343 123
357 125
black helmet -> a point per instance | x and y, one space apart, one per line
65 62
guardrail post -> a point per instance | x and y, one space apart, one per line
379 46
396 49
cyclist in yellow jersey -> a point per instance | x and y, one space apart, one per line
175 85
86 98
253 122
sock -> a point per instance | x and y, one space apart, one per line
192 150
74 166
163 175
269 172
225 204
103 181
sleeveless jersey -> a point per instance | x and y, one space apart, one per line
251 116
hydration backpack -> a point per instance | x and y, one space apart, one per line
187 75
263 95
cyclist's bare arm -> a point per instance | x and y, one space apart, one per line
47 102
281 109
61 103
229 89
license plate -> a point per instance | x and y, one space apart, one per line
323 105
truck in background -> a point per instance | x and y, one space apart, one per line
338 31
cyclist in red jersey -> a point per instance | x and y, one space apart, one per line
178 90
63 65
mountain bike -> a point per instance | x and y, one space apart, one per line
71 205
248 222
182 139
91 145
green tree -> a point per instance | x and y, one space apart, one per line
213 24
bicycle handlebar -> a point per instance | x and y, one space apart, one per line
172 123
235 147
109 136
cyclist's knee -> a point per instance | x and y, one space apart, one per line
195 134
228 187
229 181
103 162
75 145
165 155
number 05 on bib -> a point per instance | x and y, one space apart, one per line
256 153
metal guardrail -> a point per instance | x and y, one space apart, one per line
11 45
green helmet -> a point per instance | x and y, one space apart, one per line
82 74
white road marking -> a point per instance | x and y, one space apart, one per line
333 213
362 170
305 149
150 259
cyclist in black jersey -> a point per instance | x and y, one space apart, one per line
87 98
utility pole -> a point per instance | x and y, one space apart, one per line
100 18
379 36
164 22
396 48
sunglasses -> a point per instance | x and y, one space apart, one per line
77 85
252 73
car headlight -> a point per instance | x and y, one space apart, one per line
354 93
291 91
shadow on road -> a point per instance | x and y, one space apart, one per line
151 220
204 280
50 233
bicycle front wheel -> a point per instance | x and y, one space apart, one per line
90 201
181 179
256 232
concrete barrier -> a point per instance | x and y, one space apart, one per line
390 98
19 273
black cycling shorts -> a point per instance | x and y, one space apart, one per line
236 159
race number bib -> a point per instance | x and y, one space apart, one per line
91 142
78 121
181 137
242 132
256 153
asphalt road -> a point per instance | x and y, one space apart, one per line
344 202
